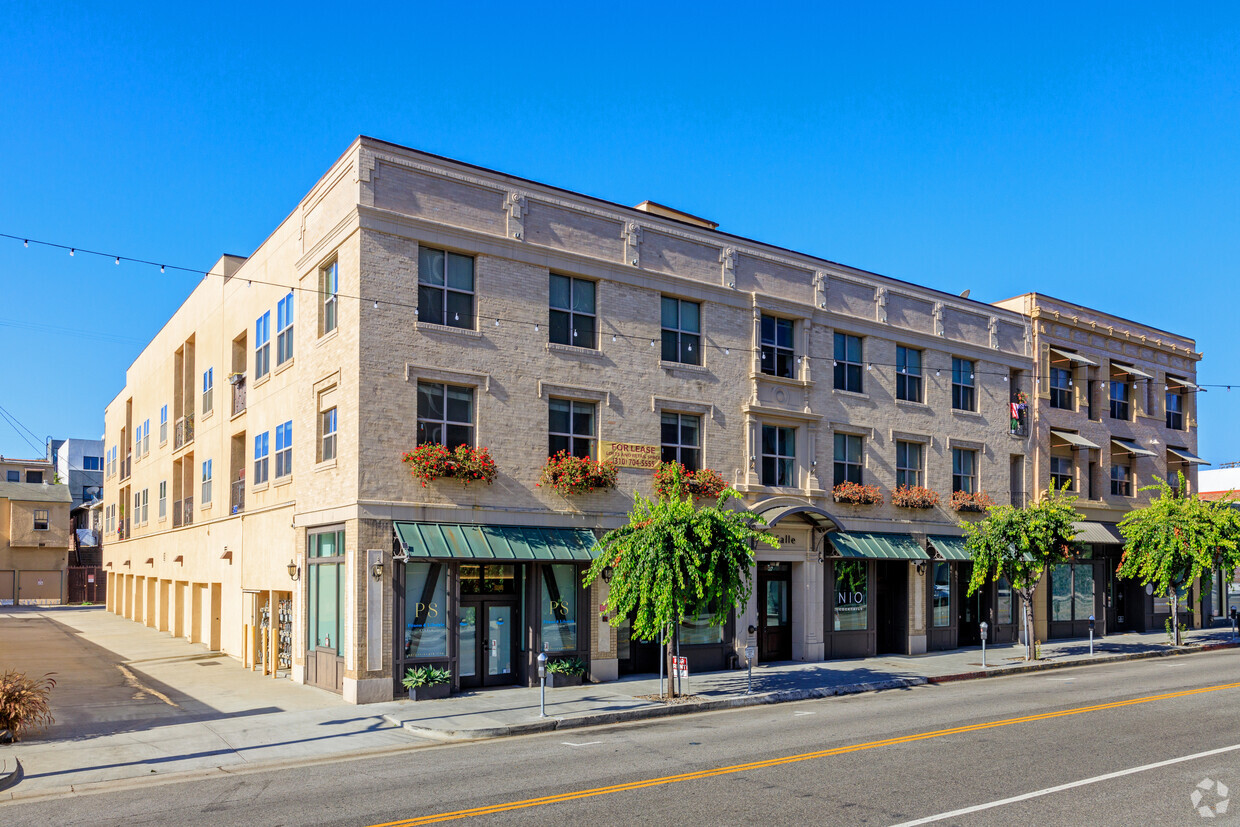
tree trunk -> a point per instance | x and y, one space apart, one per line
1175 616
1027 600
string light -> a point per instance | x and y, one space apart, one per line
376 304
161 268
613 337
26 242
497 322
72 251
118 260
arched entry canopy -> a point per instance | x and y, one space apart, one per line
776 509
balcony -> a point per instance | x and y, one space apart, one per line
126 466
122 529
238 496
238 395
183 512
184 432
1018 424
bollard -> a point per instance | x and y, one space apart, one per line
542 684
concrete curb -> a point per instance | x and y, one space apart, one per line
785 696
10 778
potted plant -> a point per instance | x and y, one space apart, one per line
570 474
427 683
914 496
431 460
851 492
704 483
565 672
24 703
965 501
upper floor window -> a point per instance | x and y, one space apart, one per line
34 476
261 452
208 392
329 287
13 476
41 520
1175 408
848 356
137 440
163 499
848 458
1061 472
1120 393
964 394
262 345
1121 480
146 436
92 463
327 434
681 438
163 425
284 329
206 482
445 288
779 454
572 313
964 470
284 449
445 414
908 374
1061 388
571 427
777 348
910 463
682 331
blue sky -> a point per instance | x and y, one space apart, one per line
1088 151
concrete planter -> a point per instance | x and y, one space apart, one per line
433 692
557 679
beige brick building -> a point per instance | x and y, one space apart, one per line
1116 407
409 298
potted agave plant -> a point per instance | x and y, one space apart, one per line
427 683
565 672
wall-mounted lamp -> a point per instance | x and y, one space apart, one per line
294 573
376 571
607 573
921 568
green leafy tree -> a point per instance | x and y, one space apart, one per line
1178 538
674 560
1019 543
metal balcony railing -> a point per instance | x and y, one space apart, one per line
184 432
122 528
187 510
1019 424
238 496
126 466
238 395
176 514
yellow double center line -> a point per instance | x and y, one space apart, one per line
789 759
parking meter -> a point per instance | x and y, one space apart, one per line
1091 635
985 627
542 684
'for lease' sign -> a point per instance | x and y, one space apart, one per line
630 454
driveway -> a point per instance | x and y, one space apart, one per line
113 675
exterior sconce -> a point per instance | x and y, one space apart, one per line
607 573
376 571
921 568
294 573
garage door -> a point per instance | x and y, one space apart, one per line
38 588
8 582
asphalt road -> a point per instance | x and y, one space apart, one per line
884 758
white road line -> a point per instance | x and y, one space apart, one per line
977 808
802 712
586 744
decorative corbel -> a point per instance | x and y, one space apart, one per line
727 257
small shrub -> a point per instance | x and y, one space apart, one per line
425 676
431 461
24 702
704 483
569 474
977 501
567 666
851 492
914 496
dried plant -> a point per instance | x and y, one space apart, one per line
24 703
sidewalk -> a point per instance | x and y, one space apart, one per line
225 719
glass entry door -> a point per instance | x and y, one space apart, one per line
488 643
774 612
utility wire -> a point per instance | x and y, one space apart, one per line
482 320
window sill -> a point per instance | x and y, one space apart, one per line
205 416
280 482
325 465
574 350
326 337
851 394
908 403
163 443
237 414
685 366
262 486
967 414
201 507
427 327
782 380
262 380
283 366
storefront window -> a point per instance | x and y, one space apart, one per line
1084 577
426 610
1061 592
942 593
1072 591
697 630
325 590
477 579
559 608
851 595
1003 605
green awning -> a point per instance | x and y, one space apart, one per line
952 548
1098 533
877 546
494 542
1132 447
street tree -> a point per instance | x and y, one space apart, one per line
1019 543
1176 539
675 560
